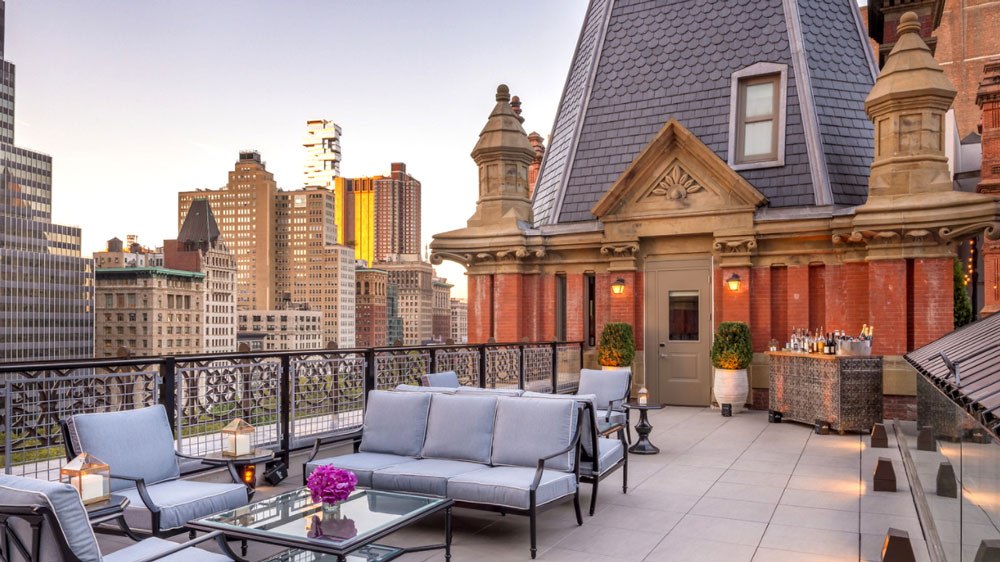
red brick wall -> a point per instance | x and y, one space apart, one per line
760 308
887 306
735 304
546 326
933 300
798 297
817 297
480 288
508 306
991 277
576 313
899 407
780 330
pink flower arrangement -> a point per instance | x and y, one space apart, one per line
329 484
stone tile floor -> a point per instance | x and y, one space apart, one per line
732 489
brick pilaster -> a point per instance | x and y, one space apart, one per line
760 308
933 300
508 306
480 308
798 298
887 306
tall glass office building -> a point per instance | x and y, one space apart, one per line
46 286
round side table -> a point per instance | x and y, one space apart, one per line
236 464
642 445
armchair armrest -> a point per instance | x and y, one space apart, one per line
354 436
140 486
182 547
230 466
574 444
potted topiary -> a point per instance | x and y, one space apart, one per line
731 355
617 348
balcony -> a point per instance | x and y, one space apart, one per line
736 488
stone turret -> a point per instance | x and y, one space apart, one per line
908 106
988 99
503 155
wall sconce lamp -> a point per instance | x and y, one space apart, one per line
734 282
618 287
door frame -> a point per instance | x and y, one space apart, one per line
651 267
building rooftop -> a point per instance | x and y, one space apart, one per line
137 271
628 79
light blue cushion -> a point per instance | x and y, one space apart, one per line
132 442
528 429
65 502
153 546
490 391
606 385
425 476
395 422
615 417
437 389
460 427
510 486
611 451
446 379
361 464
181 501
587 429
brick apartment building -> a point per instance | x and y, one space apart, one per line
737 146
370 295
397 214
441 330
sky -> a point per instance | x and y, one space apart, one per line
136 101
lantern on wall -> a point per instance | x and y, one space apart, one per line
618 287
733 282
89 476
237 438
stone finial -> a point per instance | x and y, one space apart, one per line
515 104
908 23
503 93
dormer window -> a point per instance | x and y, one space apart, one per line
757 117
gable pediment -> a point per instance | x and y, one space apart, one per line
676 175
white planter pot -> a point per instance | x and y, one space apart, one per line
606 368
731 387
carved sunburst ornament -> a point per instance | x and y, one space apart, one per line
675 185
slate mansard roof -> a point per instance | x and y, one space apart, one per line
639 63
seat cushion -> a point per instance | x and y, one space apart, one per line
446 379
460 427
181 501
136 443
361 464
395 422
611 451
65 503
528 429
153 546
606 385
490 391
425 476
412 388
616 416
510 486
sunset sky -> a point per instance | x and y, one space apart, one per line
136 101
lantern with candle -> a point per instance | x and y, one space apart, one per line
89 476
237 438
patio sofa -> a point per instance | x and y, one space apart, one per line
498 453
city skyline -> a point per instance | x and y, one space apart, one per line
202 89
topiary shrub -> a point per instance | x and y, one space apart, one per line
617 348
732 348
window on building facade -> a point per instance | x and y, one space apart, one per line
757 117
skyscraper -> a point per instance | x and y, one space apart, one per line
397 214
46 286
322 153
355 206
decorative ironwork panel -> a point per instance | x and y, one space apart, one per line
538 368
846 392
328 395
503 366
34 402
210 394
403 366
464 361
568 368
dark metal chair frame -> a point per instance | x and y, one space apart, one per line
532 511
595 479
140 486
36 516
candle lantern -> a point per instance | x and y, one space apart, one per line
88 476
236 438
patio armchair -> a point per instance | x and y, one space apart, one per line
612 390
45 521
138 445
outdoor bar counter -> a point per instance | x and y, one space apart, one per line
845 391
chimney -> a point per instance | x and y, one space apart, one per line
988 99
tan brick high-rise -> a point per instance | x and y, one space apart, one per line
244 209
397 214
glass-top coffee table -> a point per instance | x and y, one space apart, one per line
293 520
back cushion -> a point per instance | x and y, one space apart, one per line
447 379
395 422
528 429
65 503
133 443
490 391
460 427
587 428
606 385
412 388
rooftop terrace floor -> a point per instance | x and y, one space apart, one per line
731 489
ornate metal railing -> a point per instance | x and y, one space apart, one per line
291 398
